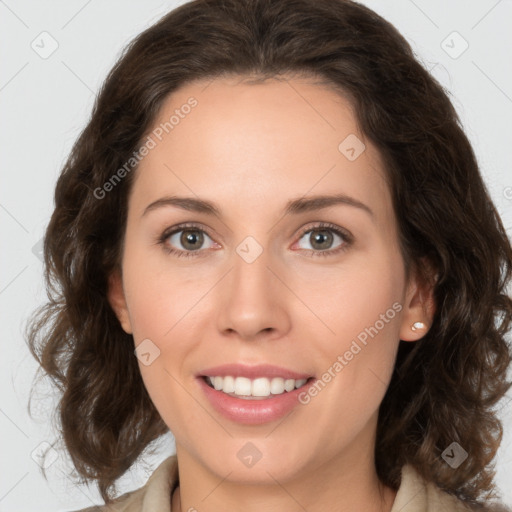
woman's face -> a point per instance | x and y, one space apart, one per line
315 290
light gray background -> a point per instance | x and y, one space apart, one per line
44 103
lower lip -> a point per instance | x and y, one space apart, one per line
252 412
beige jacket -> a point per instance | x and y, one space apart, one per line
414 494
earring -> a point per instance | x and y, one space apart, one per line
417 325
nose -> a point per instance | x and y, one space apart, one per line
253 300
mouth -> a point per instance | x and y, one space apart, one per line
259 388
253 394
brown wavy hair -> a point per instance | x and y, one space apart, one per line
444 387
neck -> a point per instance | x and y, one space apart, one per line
315 489
381 500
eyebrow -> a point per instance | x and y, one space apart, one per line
294 206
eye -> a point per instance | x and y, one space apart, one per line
321 238
188 239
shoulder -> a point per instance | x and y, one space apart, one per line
417 495
153 495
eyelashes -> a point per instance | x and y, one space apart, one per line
321 227
163 239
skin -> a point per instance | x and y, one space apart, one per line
249 149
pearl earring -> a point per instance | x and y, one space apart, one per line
417 326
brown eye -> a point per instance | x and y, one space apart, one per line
191 239
185 241
321 240
325 240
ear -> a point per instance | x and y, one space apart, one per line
117 300
419 303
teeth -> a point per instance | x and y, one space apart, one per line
260 387
228 385
242 386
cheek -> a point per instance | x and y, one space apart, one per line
166 312
356 360
358 295
158 295
363 312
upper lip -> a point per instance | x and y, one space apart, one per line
252 371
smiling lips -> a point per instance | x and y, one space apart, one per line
252 394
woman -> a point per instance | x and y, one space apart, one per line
273 240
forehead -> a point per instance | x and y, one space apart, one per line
227 139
